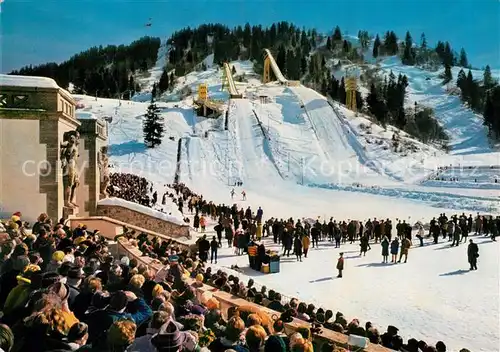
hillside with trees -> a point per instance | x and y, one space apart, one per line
107 72
302 54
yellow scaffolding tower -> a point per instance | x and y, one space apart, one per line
266 77
203 92
350 87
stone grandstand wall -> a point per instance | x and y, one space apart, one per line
143 220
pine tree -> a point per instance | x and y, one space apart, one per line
154 91
163 84
463 62
408 58
488 80
303 65
337 34
447 76
172 80
346 46
329 44
376 46
492 112
342 93
233 70
376 105
461 78
423 42
152 126
281 59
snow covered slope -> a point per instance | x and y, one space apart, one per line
465 128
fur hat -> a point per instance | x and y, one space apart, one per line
169 338
58 256
118 301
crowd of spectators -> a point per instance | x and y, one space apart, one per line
130 187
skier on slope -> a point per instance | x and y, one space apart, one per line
232 193
244 195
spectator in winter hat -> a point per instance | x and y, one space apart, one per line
440 346
168 338
78 335
56 261
143 343
62 291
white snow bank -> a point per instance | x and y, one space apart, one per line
83 115
27 81
140 209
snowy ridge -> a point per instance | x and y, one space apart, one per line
140 209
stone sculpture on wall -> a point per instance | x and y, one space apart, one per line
69 156
103 161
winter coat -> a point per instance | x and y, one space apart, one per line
203 221
394 247
258 232
364 244
405 246
385 247
196 221
100 321
340 263
306 242
297 246
472 252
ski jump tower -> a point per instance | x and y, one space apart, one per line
228 82
270 64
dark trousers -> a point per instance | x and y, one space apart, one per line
305 252
421 239
473 263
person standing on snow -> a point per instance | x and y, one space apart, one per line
306 241
203 223
405 247
196 221
232 193
340 264
260 212
364 245
297 247
472 254
385 249
244 195
394 249
420 234
214 245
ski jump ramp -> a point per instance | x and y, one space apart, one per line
233 91
270 63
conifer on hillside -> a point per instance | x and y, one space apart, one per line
164 82
152 126
376 46
463 62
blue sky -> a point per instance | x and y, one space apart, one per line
34 32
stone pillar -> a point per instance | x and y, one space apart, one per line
35 115
93 136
